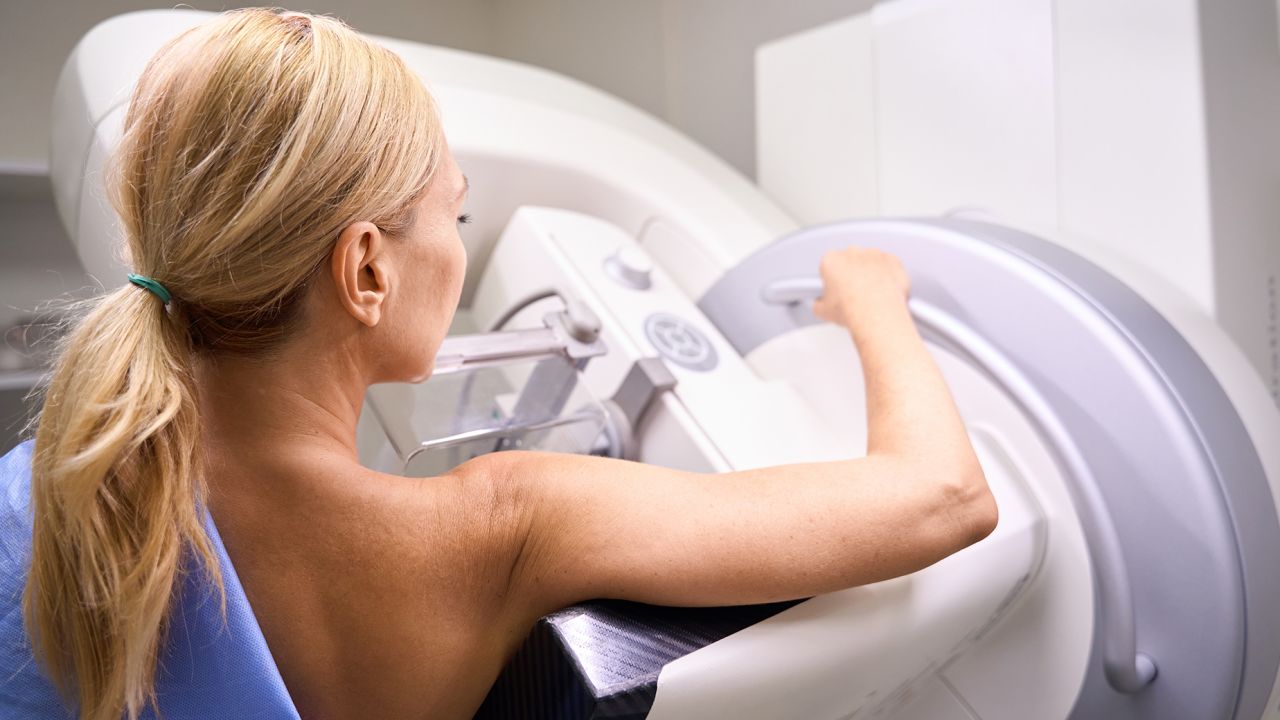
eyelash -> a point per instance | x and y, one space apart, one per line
464 218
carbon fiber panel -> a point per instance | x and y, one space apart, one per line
602 659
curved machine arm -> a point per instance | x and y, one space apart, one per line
1137 431
1127 669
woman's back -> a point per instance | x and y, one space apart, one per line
377 595
335 573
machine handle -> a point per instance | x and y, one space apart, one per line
573 335
1127 669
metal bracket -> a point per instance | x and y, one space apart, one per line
645 381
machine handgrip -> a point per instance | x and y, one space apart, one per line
1126 669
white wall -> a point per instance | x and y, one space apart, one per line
690 62
616 46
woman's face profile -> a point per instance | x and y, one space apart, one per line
430 262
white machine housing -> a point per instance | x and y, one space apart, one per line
574 147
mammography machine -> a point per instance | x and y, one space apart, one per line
630 295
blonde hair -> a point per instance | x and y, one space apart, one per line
250 142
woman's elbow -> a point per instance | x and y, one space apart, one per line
972 506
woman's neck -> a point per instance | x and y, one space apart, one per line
301 402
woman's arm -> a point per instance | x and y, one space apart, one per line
580 527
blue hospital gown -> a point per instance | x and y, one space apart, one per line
209 668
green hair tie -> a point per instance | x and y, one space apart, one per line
152 287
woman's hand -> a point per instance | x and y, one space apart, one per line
857 283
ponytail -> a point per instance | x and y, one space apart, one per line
251 140
117 494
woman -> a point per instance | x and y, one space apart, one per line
291 209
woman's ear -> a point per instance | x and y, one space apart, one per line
361 274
